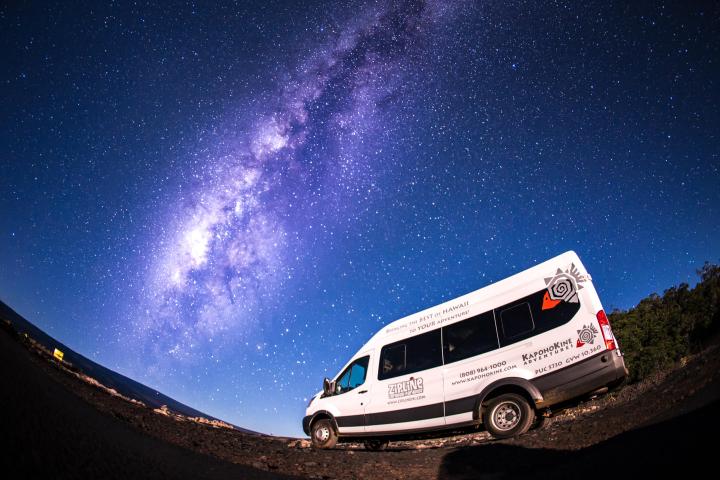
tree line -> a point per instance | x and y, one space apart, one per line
661 330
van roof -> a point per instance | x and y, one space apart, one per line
459 305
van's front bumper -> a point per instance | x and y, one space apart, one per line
596 372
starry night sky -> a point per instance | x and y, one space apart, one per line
225 202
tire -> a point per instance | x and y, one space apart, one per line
508 415
376 445
323 434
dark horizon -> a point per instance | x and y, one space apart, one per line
124 385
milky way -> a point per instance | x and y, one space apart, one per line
229 250
225 201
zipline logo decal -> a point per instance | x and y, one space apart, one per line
406 388
563 287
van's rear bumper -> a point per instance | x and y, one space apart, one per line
578 379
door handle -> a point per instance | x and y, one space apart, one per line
362 391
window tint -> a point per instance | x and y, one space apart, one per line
516 320
514 317
470 337
358 372
410 355
353 376
394 359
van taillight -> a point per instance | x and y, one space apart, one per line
606 330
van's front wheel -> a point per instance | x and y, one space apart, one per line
323 434
508 415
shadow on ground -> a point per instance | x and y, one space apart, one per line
686 444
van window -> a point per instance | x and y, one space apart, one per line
393 359
469 337
516 320
353 376
525 317
410 355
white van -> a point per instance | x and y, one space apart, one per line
495 356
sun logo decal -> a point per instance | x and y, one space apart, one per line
586 335
563 287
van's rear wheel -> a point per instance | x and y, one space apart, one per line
376 445
508 415
323 434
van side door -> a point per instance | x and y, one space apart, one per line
472 361
408 393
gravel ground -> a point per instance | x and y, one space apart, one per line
69 428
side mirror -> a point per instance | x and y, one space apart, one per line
326 387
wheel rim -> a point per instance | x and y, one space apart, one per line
322 434
506 415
